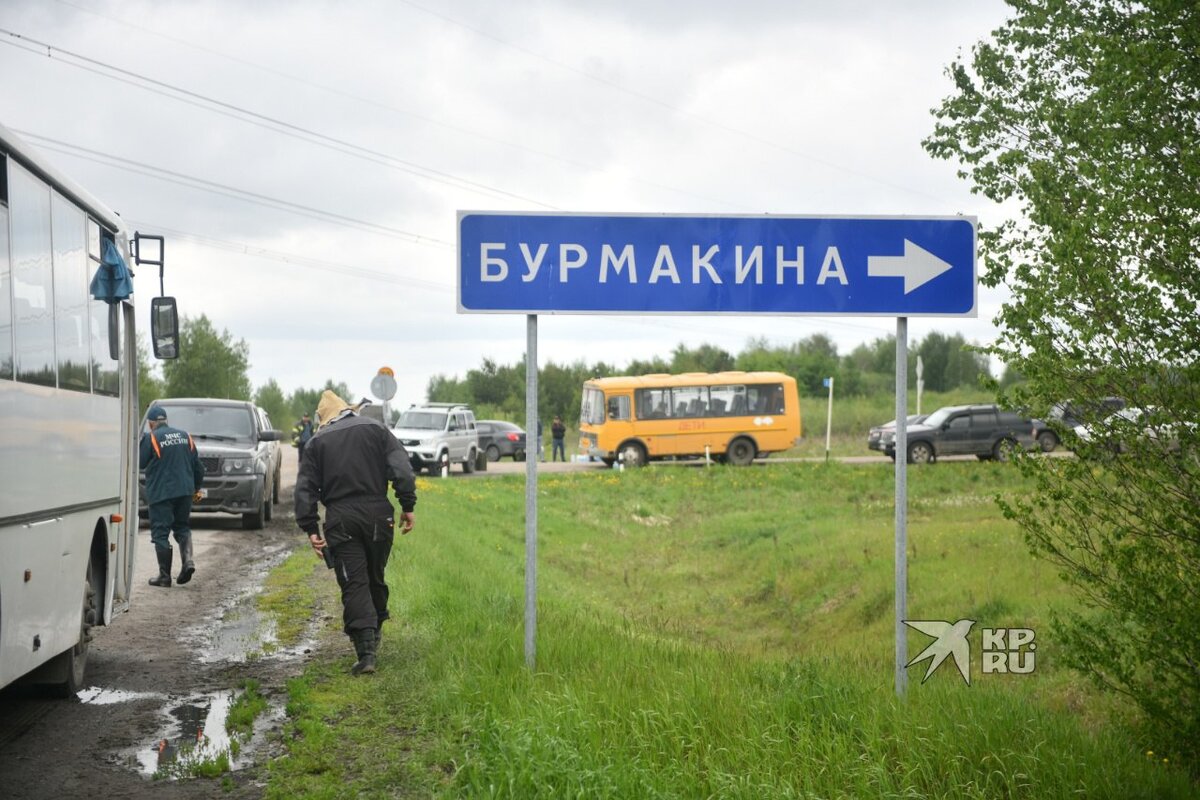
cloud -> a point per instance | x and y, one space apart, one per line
783 108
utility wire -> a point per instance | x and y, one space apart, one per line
170 176
405 112
23 43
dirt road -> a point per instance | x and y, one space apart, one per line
159 675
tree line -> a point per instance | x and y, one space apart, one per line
949 362
213 363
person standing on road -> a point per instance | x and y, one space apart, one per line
558 432
347 466
174 475
301 433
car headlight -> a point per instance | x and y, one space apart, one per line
888 437
236 465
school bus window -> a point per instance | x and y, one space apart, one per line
724 400
654 403
766 398
592 410
691 401
618 407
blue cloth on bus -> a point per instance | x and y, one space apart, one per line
112 282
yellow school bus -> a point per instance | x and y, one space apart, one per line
733 416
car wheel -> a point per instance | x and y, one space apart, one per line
275 486
1003 450
519 455
268 510
468 466
253 522
920 453
633 455
481 462
741 452
1047 440
493 453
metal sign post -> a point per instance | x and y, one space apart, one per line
531 479
901 503
534 263
828 417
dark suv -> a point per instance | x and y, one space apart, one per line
239 450
983 431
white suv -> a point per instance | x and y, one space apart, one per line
434 430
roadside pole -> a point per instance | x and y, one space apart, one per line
828 418
531 476
901 503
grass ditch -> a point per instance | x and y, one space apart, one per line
709 633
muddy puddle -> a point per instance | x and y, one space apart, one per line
192 739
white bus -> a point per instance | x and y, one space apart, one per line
68 421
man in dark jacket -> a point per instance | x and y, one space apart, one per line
347 466
174 475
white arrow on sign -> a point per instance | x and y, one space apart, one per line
917 266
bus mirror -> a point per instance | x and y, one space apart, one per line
164 327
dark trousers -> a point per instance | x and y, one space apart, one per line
558 449
360 553
167 515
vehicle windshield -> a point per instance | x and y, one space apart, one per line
936 419
217 422
422 420
591 410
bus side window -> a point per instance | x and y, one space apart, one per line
618 407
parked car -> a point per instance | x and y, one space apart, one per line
983 431
439 430
240 452
1069 416
498 439
1115 433
875 435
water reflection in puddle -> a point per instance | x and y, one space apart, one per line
193 733
98 696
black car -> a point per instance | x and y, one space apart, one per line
875 435
983 431
498 439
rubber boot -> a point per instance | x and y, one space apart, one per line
164 567
186 566
364 647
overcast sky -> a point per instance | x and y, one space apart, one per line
378 121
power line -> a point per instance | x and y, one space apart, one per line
405 112
261 120
179 178
296 259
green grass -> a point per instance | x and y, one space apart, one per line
248 705
708 633
289 597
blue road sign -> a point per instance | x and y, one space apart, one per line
660 264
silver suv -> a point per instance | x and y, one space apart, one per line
439 430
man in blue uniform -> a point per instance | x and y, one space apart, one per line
173 478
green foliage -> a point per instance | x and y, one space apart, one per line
270 398
741 649
246 708
210 364
305 400
1086 115
150 387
